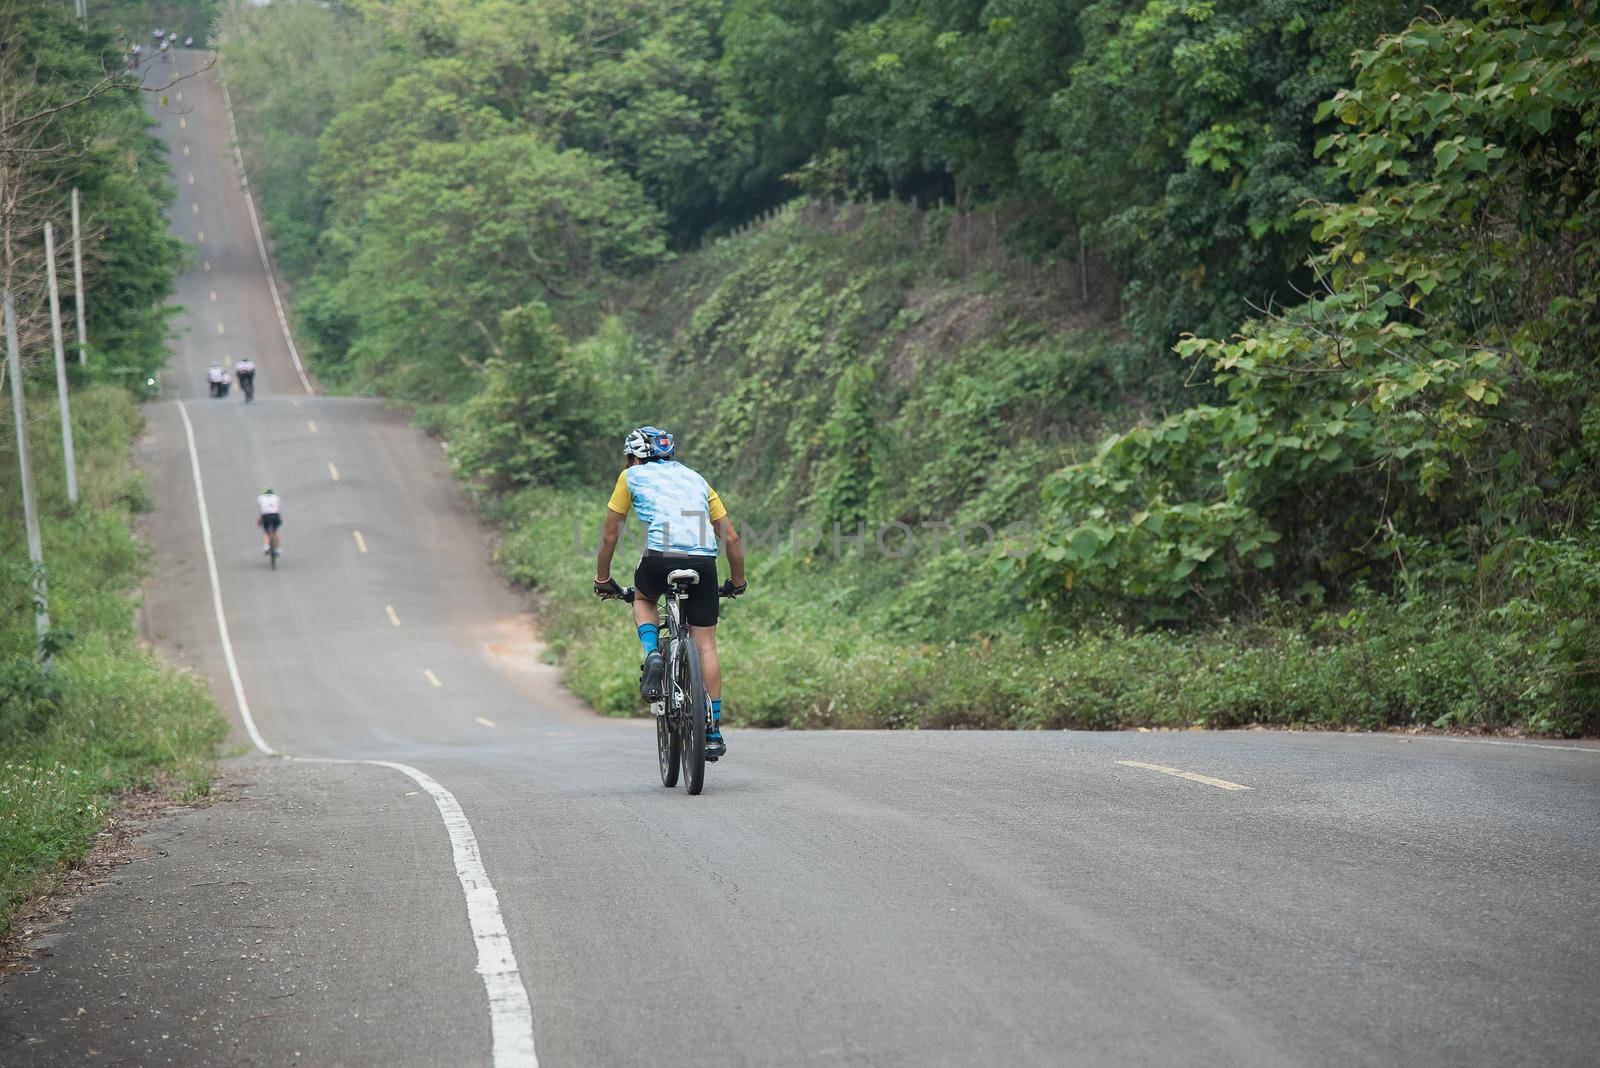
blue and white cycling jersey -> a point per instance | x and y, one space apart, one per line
675 504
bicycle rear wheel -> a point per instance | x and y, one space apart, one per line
692 721
273 555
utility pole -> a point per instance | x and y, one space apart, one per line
30 515
77 272
61 364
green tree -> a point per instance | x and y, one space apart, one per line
477 228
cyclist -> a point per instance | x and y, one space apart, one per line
685 520
269 517
214 378
246 369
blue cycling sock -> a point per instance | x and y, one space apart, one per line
649 637
716 712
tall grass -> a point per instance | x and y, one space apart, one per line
108 716
794 656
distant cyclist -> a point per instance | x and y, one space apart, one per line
246 369
684 520
269 517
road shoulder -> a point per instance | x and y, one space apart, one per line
234 936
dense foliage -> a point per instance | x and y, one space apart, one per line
1399 441
71 115
1431 415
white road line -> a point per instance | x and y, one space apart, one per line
510 1012
486 722
1221 784
261 244
432 678
216 591
393 616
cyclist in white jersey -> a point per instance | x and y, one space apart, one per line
685 520
269 517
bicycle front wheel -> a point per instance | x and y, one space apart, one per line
694 714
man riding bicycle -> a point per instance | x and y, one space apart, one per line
269 517
684 519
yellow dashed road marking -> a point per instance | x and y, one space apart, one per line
194 209
432 677
311 425
213 296
201 237
206 264
183 123
220 329
361 543
486 722
191 179
1221 784
333 472
393 617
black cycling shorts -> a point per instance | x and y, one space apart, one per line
269 523
700 606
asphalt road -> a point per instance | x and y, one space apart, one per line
869 898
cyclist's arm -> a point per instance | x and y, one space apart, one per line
617 509
728 538
608 544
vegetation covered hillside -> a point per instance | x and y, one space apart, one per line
907 278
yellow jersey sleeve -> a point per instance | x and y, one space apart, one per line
621 501
717 511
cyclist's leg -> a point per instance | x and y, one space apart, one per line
647 593
645 611
705 639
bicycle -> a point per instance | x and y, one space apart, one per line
272 542
683 714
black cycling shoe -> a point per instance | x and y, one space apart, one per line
650 676
715 746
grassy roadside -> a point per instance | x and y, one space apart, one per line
796 656
110 716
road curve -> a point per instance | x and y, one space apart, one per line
872 897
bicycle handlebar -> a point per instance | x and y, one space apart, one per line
628 593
